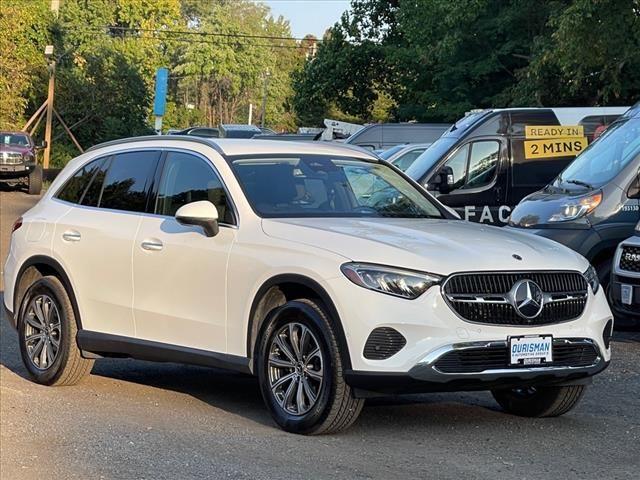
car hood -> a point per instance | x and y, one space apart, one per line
437 246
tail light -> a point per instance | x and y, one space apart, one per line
17 224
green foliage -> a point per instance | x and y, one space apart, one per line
107 53
436 59
23 36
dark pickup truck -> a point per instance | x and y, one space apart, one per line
18 161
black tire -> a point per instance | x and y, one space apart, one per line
68 366
335 407
35 181
539 401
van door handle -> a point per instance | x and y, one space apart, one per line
71 236
152 245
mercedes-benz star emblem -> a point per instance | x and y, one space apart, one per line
527 299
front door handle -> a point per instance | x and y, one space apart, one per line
71 236
152 245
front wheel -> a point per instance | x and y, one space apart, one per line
35 181
301 374
539 401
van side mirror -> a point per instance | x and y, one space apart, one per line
442 181
203 214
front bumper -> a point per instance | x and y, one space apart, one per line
428 376
18 170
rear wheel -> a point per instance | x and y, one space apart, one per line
35 181
539 401
301 374
47 335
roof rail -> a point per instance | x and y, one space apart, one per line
147 138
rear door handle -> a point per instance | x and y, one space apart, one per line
71 236
152 245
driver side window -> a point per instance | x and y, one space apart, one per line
474 165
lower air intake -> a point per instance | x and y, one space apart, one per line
383 342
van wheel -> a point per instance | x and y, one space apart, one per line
539 401
35 181
301 374
47 335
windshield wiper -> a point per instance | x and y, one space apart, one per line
581 183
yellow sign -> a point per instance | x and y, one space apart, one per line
555 147
553 131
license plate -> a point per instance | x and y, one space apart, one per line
626 294
533 350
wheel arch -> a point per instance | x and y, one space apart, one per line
45 266
283 288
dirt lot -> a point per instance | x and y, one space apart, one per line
133 419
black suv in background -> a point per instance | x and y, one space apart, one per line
18 161
625 282
594 203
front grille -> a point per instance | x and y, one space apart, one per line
485 297
383 343
10 158
630 259
496 357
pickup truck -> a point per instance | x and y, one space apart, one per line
18 161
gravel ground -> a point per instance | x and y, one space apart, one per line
133 419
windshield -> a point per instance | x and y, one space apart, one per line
14 139
322 186
430 156
387 154
605 158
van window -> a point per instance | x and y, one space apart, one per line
186 179
458 164
75 187
483 164
127 181
404 161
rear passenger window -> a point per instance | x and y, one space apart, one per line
186 179
75 187
127 181
92 195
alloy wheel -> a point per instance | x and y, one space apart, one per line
295 368
42 333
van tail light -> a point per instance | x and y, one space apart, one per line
17 224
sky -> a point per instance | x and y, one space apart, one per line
309 16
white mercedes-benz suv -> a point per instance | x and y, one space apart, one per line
318 268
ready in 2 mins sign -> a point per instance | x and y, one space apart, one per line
554 141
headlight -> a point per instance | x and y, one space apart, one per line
591 276
390 280
577 208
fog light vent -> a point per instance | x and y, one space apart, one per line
383 343
607 333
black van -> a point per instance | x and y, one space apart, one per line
490 159
594 203
380 136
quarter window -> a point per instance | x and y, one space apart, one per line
186 179
127 181
75 187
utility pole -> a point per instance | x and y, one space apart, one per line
250 121
263 114
48 52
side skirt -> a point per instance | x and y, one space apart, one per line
106 345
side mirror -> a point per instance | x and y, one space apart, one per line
442 181
203 214
42 146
